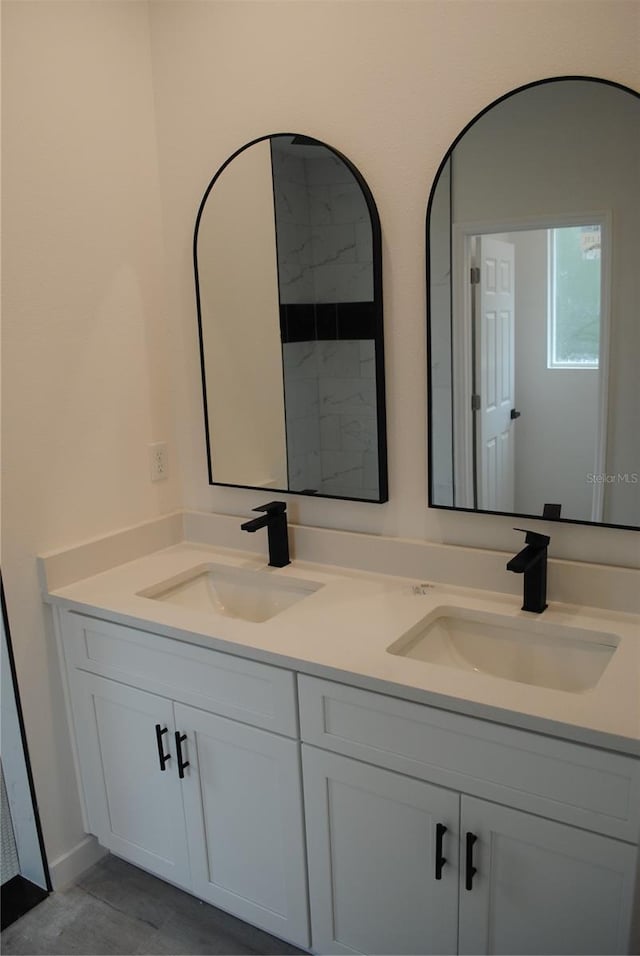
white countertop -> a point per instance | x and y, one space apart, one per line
342 632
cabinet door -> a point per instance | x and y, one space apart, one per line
372 840
134 808
540 886
243 802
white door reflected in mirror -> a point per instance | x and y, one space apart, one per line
535 327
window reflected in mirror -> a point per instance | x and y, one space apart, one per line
574 290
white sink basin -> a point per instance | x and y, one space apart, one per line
529 651
234 592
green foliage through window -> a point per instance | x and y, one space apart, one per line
575 280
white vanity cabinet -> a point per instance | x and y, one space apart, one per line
132 807
242 799
541 886
391 774
372 857
223 819
426 831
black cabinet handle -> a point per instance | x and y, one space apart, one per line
470 868
163 757
181 763
515 414
440 859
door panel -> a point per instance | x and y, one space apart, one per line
371 847
495 308
243 801
134 808
542 887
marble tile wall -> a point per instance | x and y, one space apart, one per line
294 236
330 406
325 251
325 256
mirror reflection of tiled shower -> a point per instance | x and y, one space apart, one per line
327 318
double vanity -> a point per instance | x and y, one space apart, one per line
366 763
357 762
362 763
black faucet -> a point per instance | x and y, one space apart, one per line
532 562
275 521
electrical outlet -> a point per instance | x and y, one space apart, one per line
158 464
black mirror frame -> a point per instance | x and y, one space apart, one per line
441 167
376 235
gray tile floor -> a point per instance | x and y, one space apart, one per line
115 908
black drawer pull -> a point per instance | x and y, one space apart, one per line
440 859
470 868
181 763
161 754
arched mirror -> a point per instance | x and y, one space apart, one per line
287 255
533 308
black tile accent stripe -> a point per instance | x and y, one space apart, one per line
309 322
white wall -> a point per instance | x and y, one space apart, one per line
86 377
390 84
85 312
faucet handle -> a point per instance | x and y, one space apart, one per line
535 538
273 507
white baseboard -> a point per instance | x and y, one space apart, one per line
67 868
